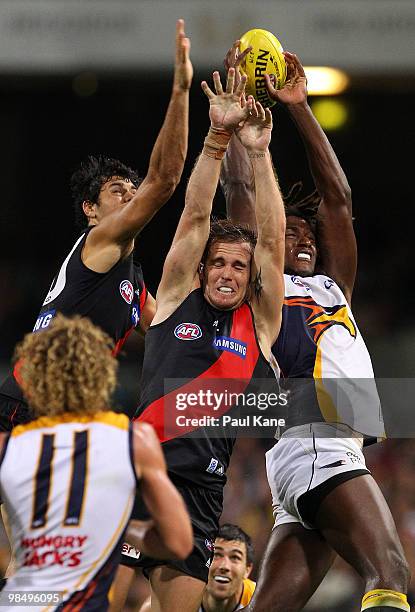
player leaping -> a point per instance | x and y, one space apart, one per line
217 300
99 278
324 498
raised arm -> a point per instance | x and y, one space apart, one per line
119 229
268 261
236 176
335 211
169 534
180 272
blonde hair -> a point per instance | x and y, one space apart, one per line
67 368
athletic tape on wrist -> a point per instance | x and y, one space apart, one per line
216 143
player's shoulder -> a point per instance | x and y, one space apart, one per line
249 588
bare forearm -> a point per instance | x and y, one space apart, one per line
170 150
203 182
238 184
152 544
171 533
269 207
329 178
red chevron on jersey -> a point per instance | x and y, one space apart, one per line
229 366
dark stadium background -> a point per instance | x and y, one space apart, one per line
47 129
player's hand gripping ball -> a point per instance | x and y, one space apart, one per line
265 57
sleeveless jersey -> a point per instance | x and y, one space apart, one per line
68 484
198 349
112 300
319 340
247 594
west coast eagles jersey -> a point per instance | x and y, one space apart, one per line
319 340
247 594
68 484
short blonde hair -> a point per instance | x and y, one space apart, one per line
68 367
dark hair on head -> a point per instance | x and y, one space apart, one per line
87 181
305 208
223 230
231 532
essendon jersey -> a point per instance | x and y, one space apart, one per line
198 351
320 341
112 300
59 479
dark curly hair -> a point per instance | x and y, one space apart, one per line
231 532
305 208
87 181
224 230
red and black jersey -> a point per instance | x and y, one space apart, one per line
198 348
112 300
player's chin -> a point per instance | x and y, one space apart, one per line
226 301
301 269
222 591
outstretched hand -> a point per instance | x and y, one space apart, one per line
295 88
183 69
227 109
234 58
255 133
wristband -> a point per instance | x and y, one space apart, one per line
216 142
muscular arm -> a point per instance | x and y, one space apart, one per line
268 261
180 272
116 232
238 185
169 534
147 314
236 177
335 211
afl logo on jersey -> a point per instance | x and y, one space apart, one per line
127 291
188 331
209 545
297 281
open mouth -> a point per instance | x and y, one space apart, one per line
304 256
225 290
222 579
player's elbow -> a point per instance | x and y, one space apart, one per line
168 187
271 236
345 195
163 187
340 195
180 544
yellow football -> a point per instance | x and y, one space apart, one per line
265 57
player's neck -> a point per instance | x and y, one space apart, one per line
210 604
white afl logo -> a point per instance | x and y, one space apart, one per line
188 331
127 291
296 280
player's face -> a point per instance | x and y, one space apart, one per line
114 194
226 274
228 570
300 247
